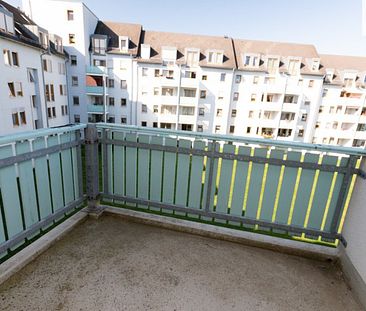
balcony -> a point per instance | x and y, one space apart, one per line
98 109
301 199
95 71
94 90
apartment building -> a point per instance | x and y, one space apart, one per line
29 89
122 73
74 23
342 113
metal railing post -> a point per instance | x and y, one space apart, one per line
343 194
211 162
92 168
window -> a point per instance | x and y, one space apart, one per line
11 89
184 127
284 132
253 97
143 108
15 59
290 99
222 77
99 46
220 96
18 89
199 128
123 101
217 128
203 94
156 109
156 91
315 65
123 44
72 38
251 60
204 78
304 117
231 129
111 101
123 120
219 113
201 112
293 66
186 111
7 57
123 84
237 78
62 89
156 73
155 124
215 57
311 83
145 72
287 116
169 74
190 74
34 101
99 62
300 82
111 83
269 80
74 60
250 114
233 113
249 129
272 65
189 92
61 69
15 118
74 81
47 65
75 100
77 118
70 15
300 133
143 123
307 102
255 80
192 58
236 96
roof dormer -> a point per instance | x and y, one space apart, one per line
169 53
6 21
124 43
294 65
315 64
272 63
251 60
145 51
215 57
192 57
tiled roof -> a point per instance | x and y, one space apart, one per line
282 50
341 63
157 40
114 30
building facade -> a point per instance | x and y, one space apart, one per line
122 73
33 75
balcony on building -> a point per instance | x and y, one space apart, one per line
95 81
100 216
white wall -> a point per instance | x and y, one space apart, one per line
28 58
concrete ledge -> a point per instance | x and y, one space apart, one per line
352 277
32 251
291 247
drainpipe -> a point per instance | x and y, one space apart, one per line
179 91
230 103
137 94
44 85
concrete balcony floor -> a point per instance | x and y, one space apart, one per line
113 264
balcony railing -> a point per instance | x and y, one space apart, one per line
96 109
94 90
292 190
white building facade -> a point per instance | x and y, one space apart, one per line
121 73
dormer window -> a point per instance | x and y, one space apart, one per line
6 21
251 60
169 53
145 51
192 58
215 57
315 64
99 45
293 66
348 82
43 39
272 64
123 44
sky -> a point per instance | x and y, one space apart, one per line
333 26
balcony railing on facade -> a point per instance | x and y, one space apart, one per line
291 190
